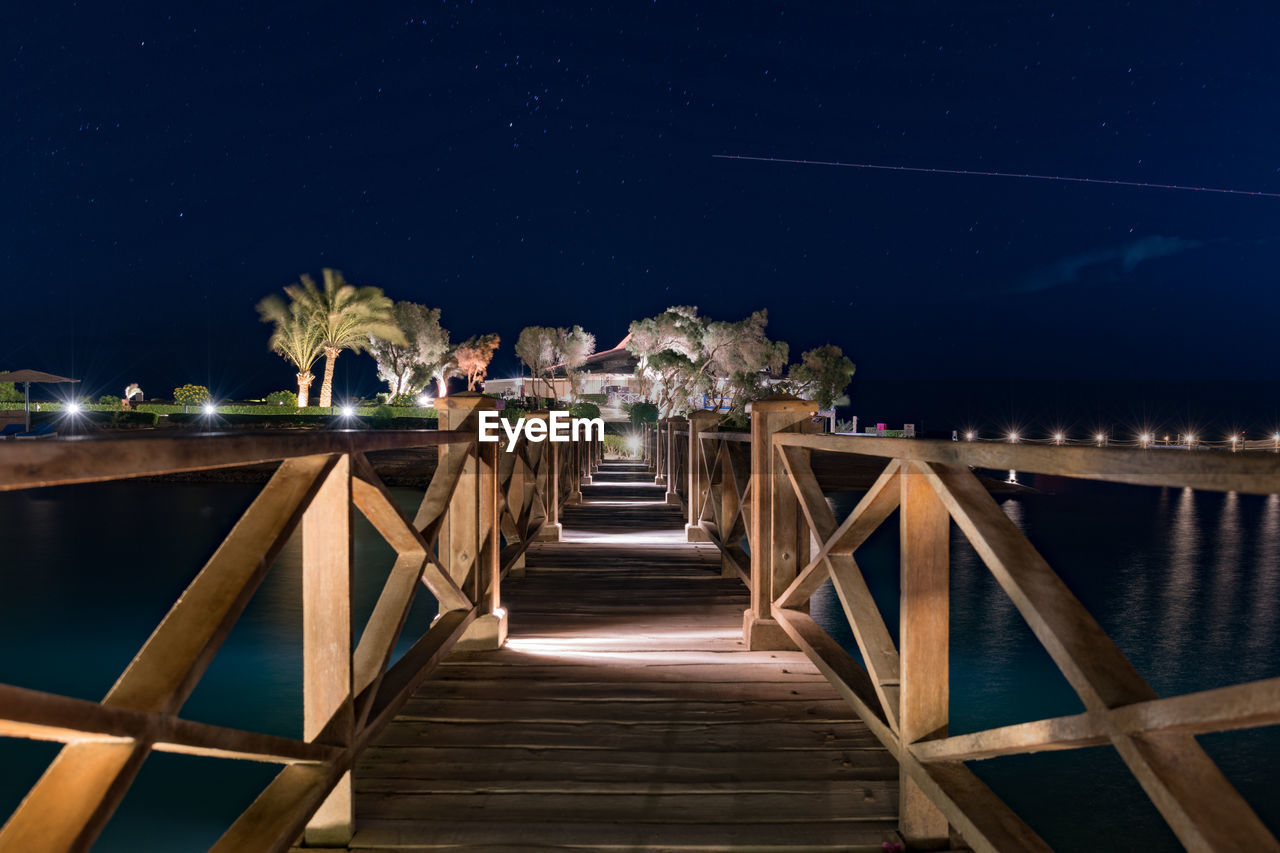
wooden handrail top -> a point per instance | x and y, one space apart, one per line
25 465
1253 472
744 437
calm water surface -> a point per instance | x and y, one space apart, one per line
91 570
1187 583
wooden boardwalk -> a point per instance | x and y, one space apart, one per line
625 714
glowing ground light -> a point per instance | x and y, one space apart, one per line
1013 437
210 409
73 408
348 411
969 436
633 444
424 401
1057 436
1145 438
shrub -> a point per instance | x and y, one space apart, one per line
9 393
403 400
123 418
191 395
514 413
383 413
617 444
598 399
283 398
109 400
584 410
643 413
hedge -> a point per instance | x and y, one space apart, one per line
299 419
116 418
258 409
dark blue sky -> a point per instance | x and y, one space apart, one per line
519 164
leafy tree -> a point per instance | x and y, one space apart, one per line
822 375
573 346
536 348
191 395
542 349
424 355
347 317
473 356
295 338
282 398
9 393
682 355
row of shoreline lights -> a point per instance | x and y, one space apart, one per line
347 411
1146 439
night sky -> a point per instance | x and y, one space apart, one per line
516 164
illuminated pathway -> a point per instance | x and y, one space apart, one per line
625 714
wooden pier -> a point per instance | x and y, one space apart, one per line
625 713
624 657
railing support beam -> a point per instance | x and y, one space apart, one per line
661 430
327 707
468 540
673 470
779 533
924 637
699 421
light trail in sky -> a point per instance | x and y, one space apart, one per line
988 174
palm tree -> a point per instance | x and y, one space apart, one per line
296 338
346 317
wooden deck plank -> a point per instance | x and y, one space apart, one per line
553 766
774 838
625 714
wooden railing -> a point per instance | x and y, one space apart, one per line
481 509
902 692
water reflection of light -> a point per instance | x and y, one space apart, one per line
1266 579
1180 589
1013 509
1013 477
1226 572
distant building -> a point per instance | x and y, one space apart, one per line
609 373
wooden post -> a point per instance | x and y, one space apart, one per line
551 529
576 452
548 483
729 505
698 421
587 454
326 643
673 471
471 520
660 451
779 537
924 640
